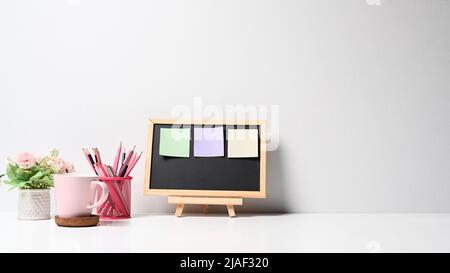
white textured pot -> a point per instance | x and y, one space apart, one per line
34 204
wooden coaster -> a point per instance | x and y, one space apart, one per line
86 221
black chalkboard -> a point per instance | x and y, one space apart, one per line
202 173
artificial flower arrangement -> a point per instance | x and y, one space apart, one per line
27 171
33 176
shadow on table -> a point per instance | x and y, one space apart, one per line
114 223
276 202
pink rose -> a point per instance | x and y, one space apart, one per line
69 167
25 160
59 165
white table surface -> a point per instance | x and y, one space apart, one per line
246 233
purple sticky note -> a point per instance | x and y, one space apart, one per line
208 142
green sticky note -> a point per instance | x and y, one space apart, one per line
174 142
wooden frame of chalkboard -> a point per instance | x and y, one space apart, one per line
257 192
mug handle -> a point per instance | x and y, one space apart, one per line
102 199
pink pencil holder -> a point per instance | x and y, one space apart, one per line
118 203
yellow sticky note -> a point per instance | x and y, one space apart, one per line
242 143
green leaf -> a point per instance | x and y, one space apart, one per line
47 172
11 171
38 176
16 184
22 184
26 175
47 181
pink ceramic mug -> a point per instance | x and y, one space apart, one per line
75 195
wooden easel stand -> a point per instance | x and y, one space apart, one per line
180 201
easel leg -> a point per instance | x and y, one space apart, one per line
179 210
205 202
231 212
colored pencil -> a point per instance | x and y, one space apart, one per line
110 171
136 159
90 160
125 163
124 154
99 157
116 160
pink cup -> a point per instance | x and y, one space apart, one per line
75 195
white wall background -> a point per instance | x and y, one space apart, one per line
363 90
